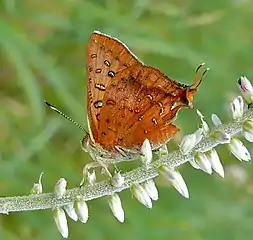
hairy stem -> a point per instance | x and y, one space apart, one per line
104 188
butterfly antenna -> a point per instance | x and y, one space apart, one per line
196 81
202 77
64 115
200 66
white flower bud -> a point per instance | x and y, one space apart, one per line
116 207
190 141
117 180
204 125
176 180
91 177
88 177
246 89
69 209
82 211
239 150
187 143
37 187
221 137
216 120
151 189
60 188
141 195
146 150
214 159
194 164
203 162
248 130
199 135
236 108
61 221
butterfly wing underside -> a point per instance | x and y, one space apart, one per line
138 105
128 101
106 57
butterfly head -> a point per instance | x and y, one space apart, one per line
189 96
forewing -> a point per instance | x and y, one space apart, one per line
106 57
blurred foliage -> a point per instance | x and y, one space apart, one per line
42 56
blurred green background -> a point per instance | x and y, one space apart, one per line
43 46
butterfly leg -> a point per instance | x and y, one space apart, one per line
93 165
126 154
86 169
88 146
172 115
162 151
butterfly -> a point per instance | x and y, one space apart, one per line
127 101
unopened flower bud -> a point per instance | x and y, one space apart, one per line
236 108
82 211
69 209
248 130
151 189
203 162
116 207
187 143
141 195
203 123
61 221
216 120
221 137
117 179
239 150
37 187
176 180
60 188
214 159
246 89
146 150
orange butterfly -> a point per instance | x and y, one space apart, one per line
129 102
